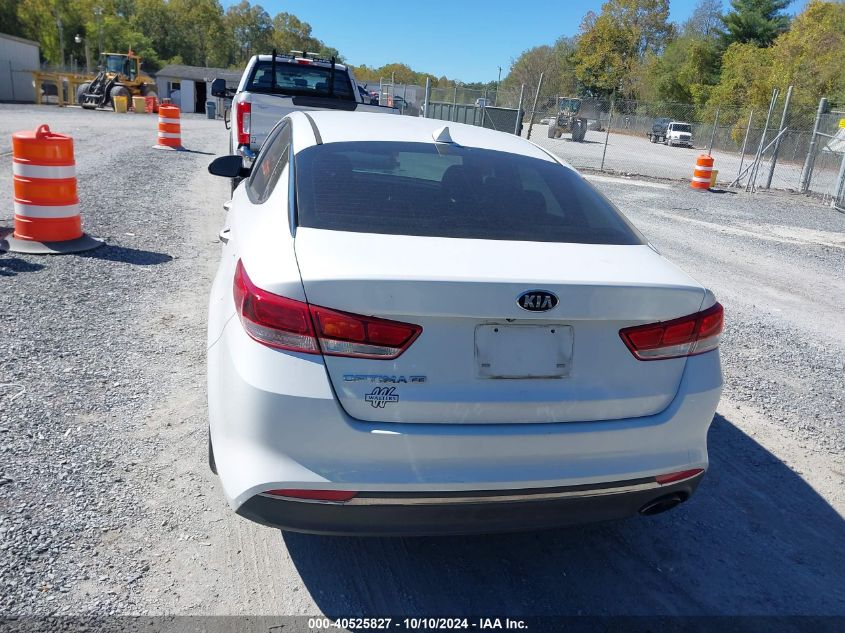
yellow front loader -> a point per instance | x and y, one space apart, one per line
120 75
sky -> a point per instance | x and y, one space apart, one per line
465 40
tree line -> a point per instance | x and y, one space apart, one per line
629 50
716 59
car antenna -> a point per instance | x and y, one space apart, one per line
273 72
441 135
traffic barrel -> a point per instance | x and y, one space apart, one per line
47 216
169 128
702 173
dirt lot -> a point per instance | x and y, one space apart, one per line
107 505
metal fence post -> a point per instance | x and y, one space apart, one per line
607 134
777 145
751 185
807 173
744 144
534 107
427 97
713 134
455 103
838 201
518 123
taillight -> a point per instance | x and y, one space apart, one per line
669 478
313 495
686 336
243 121
345 334
297 326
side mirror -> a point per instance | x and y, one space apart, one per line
231 166
218 88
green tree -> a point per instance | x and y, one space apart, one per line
555 62
756 22
613 44
9 21
706 19
251 28
745 78
811 55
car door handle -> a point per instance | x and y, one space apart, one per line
227 205
224 234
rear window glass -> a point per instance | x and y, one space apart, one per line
451 191
299 79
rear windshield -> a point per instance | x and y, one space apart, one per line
299 79
450 191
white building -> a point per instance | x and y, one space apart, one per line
18 58
191 85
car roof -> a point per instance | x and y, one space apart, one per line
339 127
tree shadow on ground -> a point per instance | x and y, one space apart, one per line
754 539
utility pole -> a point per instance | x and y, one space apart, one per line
61 41
98 11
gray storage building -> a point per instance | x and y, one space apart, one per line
18 58
190 86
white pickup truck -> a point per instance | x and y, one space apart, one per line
274 85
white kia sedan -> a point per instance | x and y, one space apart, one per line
420 327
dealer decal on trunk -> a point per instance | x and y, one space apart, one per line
380 396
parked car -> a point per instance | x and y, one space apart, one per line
483 102
450 332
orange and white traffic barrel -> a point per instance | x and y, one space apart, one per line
702 173
169 128
47 216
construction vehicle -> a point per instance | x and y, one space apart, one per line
572 116
120 75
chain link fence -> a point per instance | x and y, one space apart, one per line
792 148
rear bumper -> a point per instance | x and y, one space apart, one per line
377 514
276 423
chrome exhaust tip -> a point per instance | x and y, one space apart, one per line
661 504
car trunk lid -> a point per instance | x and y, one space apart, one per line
482 357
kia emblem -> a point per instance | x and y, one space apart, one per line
537 300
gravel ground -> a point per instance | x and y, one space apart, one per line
107 505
